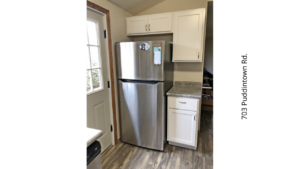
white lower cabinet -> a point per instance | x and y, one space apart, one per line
182 128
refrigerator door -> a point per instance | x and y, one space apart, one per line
142 113
141 60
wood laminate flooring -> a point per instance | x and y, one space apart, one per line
127 156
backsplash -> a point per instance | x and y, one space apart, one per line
187 84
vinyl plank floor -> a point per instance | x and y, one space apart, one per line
126 156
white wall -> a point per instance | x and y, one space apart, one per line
118 33
182 71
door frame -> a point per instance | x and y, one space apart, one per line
111 68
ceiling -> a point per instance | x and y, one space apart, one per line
135 6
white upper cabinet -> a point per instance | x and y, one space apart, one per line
160 23
188 35
188 28
149 24
137 25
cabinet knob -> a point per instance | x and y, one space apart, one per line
149 27
146 27
182 102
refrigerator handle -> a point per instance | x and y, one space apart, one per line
141 82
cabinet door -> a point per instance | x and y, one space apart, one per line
189 35
182 126
137 25
160 23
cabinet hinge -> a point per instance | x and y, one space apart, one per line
111 128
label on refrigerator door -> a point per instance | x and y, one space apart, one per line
144 46
157 55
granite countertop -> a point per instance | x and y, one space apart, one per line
186 89
92 135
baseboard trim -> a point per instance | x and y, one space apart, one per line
118 141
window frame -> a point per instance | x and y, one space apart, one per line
99 58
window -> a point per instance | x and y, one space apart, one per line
93 67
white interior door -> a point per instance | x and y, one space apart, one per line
98 93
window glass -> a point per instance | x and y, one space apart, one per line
88 62
96 73
92 33
94 51
88 84
93 59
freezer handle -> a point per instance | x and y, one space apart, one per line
139 82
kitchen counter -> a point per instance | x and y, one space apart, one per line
186 89
92 135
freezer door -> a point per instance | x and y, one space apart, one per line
137 62
142 114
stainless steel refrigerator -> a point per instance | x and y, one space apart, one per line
145 74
